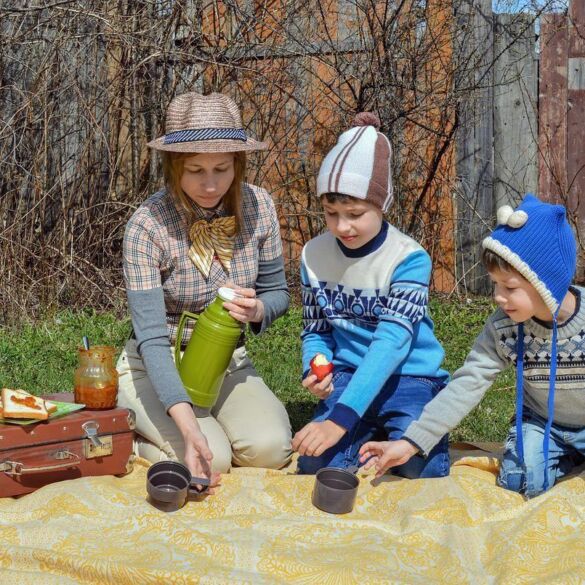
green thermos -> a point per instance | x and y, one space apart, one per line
204 362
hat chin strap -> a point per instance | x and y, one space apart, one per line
520 392
551 400
520 398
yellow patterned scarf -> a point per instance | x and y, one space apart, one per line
209 238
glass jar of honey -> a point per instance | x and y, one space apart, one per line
96 378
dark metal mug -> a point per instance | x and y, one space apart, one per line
170 483
335 490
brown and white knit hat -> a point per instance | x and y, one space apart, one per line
204 123
360 164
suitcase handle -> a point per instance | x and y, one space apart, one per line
18 468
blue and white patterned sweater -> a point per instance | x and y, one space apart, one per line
366 310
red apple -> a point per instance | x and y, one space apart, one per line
321 366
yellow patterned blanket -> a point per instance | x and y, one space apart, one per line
262 528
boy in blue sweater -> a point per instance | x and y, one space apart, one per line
365 294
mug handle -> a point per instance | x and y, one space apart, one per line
179 337
195 481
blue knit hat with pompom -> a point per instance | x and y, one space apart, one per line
538 242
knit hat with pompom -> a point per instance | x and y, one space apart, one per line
360 164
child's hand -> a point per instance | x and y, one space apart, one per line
320 389
386 454
316 437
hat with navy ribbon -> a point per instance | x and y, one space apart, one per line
204 123
537 241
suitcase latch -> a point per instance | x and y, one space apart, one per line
91 432
95 446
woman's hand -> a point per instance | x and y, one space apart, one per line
246 308
198 455
198 458
320 389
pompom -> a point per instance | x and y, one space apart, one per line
507 216
503 214
518 219
366 119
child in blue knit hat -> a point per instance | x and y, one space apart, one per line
539 327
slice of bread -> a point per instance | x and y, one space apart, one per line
21 404
50 406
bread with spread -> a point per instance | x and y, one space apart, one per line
16 403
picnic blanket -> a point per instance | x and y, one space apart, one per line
261 528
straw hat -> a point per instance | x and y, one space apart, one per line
204 123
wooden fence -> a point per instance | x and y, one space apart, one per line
561 137
496 144
524 130
84 86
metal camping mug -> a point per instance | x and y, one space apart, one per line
204 362
169 484
335 489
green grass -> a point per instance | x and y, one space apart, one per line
42 357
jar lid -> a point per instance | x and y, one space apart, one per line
228 294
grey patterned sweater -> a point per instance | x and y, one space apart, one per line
493 351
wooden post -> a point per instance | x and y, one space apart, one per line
575 118
552 108
576 113
515 107
474 159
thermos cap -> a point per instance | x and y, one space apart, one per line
228 294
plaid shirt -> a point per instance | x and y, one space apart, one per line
156 246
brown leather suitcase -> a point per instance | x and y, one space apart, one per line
79 444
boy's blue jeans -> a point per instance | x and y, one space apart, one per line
566 450
400 401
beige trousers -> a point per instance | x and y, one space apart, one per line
248 426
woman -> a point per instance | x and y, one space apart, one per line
171 266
